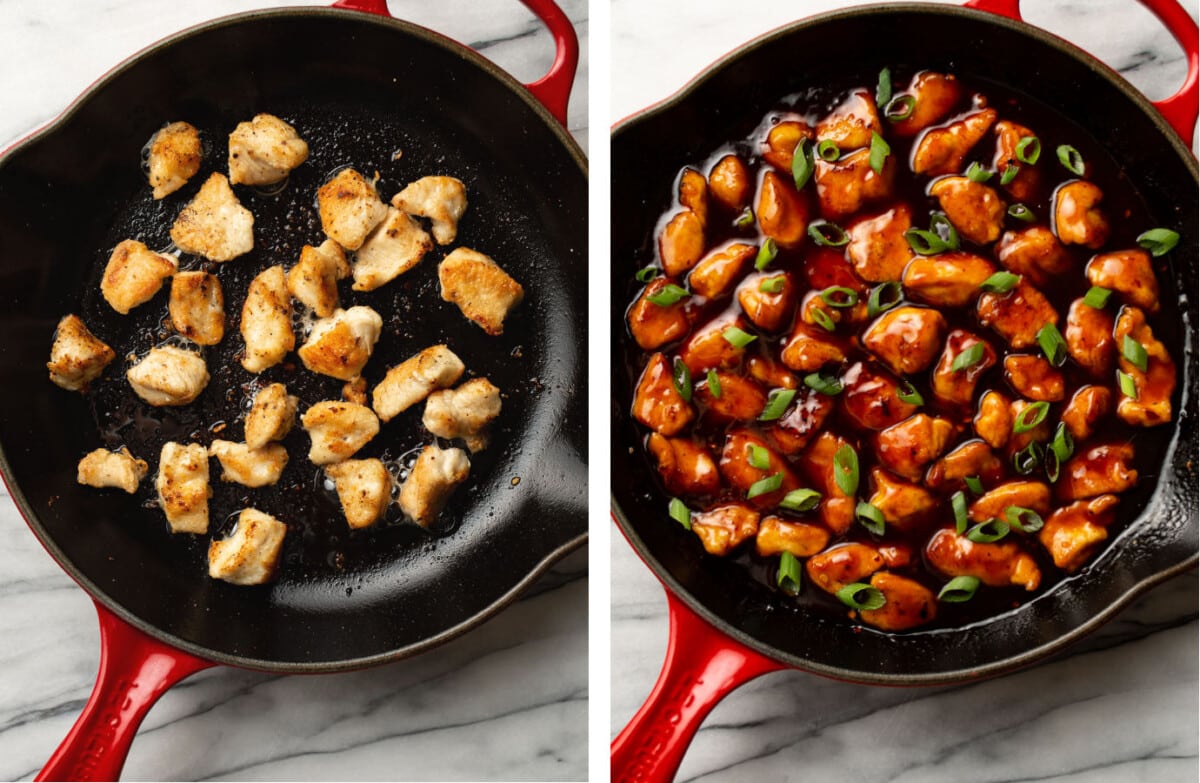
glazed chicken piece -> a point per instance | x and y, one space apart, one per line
267 321
1102 469
906 448
737 471
1078 219
975 209
994 503
906 339
804 419
414 379
998 564
484 292
434 477
355 390
338 429
708 349
948 279
197 307
851 124
843 564
724 528
264 150
943 150
350 208
1073 533
768 309
718 272
681 243
741 398
464 412
972 458
134 274
957 387
847 185
340 346
1129 273
908 603
836 508
1089 337
657 403
182 485
686 467
120 469
1152 404
1087 407
77 357
174 158
870 398
214 224
904 506
654 325
878 248
827 266
782 210
1018 315
1035 253
779 146
364 488
441 199
1024 184
394 247
249 467
313 280
168 376
250 555
770 373
994 421
693 194
777 535
935 94
1034 378
271 415
729 182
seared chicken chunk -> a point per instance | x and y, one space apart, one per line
870 397
934 95
779 146
250 555
707 348
1024 183
1100 470
182 485
264 150
394 247
271 415
906 448
974 208
214 224
1034 378
809 348
77 357
350 208
878 248
686 467
364 488
681 243
267 321
411 381
355 390
724 528
943 150
1078 219
718 272
957 386
993 422
777 535
1017 441
843 564
741 399
174 158
434 476
1086 408
464 412
948 279
197 307
837 507
104 468
994 503
693 193
1151 403
313 280
1129 273
168 376
782 210
847 185
1089 338
654 325
904 506
907 604
851 124
729 183
340 345
338 430
441 199
1018 315
483 291
768 299
736 469
906 339
1072 533
1035 253
972 458
799 423
249 467
134 275
998 564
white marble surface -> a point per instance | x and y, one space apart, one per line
507 701
1121 706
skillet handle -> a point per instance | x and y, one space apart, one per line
1180 110
134 671
701 667
552 90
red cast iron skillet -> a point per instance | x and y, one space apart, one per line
726 628
360 86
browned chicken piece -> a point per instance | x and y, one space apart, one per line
777 535
718 272
809 348
1018 315
779 147
1017 441
904 506
77 357
1086 408
976 210
897 555
737 471
134 274
878 248
464 412
249 467
957 387
313 280
942 150
182 485
1035 253
1072 533
707 348
998 564
729 182
906 339
355 390
264 150
769 310
271 415
340 346
851 124
993 422
1024 185
843 564
994 503
441 199
693 194
908 603
1152 404
657 403
1100 470
782 210
741 398
414 379
948 280
654 325
770 373
681 243
935 94
484 292
350 208
816 312
869 397
250 555
906 448
1089 337
197 307
686 466
1129 273
267 321
174 158
837 508
1034 378
827 266
214 224
168 376
847 185
364 489
804 419
1078 219
119 469
724 528
395 246
434 477
972 458
337 430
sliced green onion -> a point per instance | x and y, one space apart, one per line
900 108
1097 297
987 532
958 501
766 254
1000 283
870 517
1053 466
974 484
829 385
1029 149
879 152
1071 159
759 457
829 151
680 513
823 319
1026 460
1159 241
1009 174
845 470
802 163
737 338
1128 385
682 377
861 597
1134 353
801 500
941 225
968 358
959 590
772 285
1030 416
883 91
884 297
777 402
1023 520
745 219
926 243
827 234
839 296
1022 213
669 295
1053 344
714 384
908 393
788 578
765 486
1063 445
977 173
646 274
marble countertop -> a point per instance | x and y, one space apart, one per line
507 701
1120 706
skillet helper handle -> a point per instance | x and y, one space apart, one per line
1181 109
701 667
134 671
552 90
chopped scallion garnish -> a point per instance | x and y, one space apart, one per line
977 173
745 219
1127 384
879 152
682 378
925 243
759 457
1134 352
772 285
1062 445
829 385
1000 283
1030 416
884 297
668 295
959 590
861 597
908 393
777 402
714 384
737 337
827 234
802 163
941 225
1071 160
1022 213
839 296
883 91
968 358
958 501
788 577
974 484
646 274
680 513
1023 520
1029 149
801 500
845 470
766 254
988 532
1009 174
765 486
1097 297
829 151
823 319
1159 241
900 108
1053 344
870 517
1026 460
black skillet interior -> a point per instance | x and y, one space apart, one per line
382 97
726 104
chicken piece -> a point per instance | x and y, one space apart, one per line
729 182
168 376
957 387
707 348
350 208
994 421
972 458
869 397
249 467
906 448
197 307
737 471
770 373
948 280
364 488
1018 315
134 274
355 390
1130 274
271 415
1103 469
313 280
907 507
483 291
777 535
214 224
782 210
681 243
841 565
935 95
847 185
908 604
340 346
1151 404
414 379
338 429
718 272
994 503
1024 185
267 321
998 564
120 469
1078 219
724 528
851 124
1089 337
77 357
250 554
1072 533
182 486
1034 378
441 199
1035 253
394 247
906 339
174 158
975 209
693 194
804 419
434 477
943 150
779 146
657 403
464 412
1086 408
686 467
264 150
810 348
768 309
654 325
827 266
836 508
741 398
878 248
